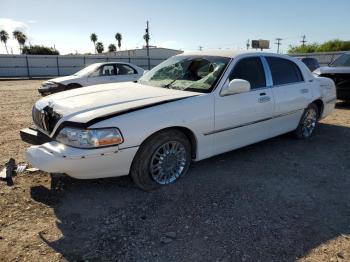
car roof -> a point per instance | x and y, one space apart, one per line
106 63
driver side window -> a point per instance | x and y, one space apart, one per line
105 70
250 69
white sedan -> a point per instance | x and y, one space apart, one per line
98 73
188 108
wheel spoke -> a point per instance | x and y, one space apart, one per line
168 162
309 122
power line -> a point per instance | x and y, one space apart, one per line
303 41
278 44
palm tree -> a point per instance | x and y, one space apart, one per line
93 38
112 48
4 36
118 37
99 47
20 37
22 40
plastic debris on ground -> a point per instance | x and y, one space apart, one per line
11 169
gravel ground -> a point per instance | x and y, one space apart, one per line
279 200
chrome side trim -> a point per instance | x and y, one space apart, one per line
251 123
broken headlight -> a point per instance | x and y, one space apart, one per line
90 138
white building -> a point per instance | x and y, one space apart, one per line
155 53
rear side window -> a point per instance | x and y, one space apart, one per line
284 71
250 69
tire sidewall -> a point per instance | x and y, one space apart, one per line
140 166
299 131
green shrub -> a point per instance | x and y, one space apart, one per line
329 46
39 50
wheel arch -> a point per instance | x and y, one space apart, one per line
74 85
320 105
186 131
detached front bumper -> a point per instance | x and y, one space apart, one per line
51 90
54 157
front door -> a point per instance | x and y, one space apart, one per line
104 74
243 119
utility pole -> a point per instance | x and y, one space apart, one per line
248 44
147 45
303 41
278 44
200 48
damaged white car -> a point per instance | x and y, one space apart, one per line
188 108
98 73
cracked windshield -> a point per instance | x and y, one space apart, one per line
198 74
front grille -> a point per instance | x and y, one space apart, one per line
46 119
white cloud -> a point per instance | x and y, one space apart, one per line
32 21
10 25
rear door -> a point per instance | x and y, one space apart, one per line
242 119
291 92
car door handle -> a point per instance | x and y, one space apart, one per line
262 94
304 91
264 99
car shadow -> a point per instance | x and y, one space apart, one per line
342 104
272 201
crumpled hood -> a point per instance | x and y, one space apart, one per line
87 103
332 70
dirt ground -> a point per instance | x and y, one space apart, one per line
279 200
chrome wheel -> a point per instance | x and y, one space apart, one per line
309 123
168 162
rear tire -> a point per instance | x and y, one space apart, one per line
308 122
161 160
73 86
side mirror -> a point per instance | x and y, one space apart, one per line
236 86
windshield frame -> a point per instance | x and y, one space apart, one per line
227 60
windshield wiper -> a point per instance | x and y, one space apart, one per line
172 82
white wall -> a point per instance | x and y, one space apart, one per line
61 65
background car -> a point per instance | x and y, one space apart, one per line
310 62
98 73
339 71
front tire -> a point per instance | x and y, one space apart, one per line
73 86
308 122
161 160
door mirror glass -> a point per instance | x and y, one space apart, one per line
236 86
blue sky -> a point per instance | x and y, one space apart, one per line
182 24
